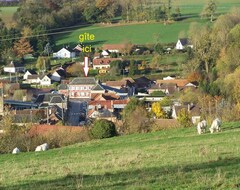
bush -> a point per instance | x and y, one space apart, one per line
184 118
103 129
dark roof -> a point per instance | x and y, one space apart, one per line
56 99
61 73
143 82
98 87
14 64
46 97
83 80
33 76
31 71
63 87
184 41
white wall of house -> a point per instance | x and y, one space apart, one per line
56 77
105 53
179 45
101 66
64 53
25 76
45 81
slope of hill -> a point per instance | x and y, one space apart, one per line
171 159
6 13
144 32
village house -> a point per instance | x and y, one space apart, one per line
103 63
193 110
28 73
182 43
127 85
106 109
63 89
14 67
180 83
64 53
58 75
81 87
117 48
44 80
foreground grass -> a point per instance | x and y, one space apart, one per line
172 159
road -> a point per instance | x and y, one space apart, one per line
76 112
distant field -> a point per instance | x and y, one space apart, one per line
136 33
169 159
143 33
7 13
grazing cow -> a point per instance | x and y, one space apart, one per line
16 150
42 147
216 124
201 127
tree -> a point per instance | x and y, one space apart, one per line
22 47
155 61
157 110
209 10
103 129
131 106
137 121
75 70
133 68
47 49
158 48
184 118
43 63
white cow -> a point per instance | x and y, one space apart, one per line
42 147
201 127
216 124
16 150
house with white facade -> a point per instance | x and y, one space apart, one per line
64 53
58 75
14 67
183 43
28 73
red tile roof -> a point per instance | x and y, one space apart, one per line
105 61
45 129
114 46
178 82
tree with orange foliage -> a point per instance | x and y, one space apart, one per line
22 47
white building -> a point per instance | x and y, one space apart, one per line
64 53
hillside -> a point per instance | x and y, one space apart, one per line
6 13
143 33
172 159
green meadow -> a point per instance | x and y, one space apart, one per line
6 13
168 159
143 33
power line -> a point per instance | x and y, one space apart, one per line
44 34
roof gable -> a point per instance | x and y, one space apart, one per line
83 81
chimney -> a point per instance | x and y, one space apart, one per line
189 107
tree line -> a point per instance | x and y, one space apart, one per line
215 59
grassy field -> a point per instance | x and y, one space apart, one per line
7 14
145 32
170 159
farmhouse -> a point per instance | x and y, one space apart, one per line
64 53
117 48
28 73
103 63
14 67
183 43
58 75
44 80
